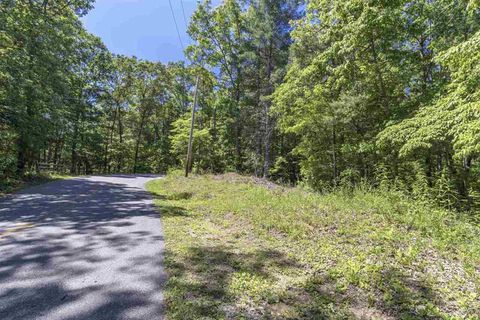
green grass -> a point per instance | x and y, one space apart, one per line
242 248
9 185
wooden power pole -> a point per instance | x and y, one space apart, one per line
188 163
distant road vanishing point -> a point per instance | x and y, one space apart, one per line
84 248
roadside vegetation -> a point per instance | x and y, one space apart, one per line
321 93
239 247
374 106
12 184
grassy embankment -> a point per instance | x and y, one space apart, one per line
238 247
9 185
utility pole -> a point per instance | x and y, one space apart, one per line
188 163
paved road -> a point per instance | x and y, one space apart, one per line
86 248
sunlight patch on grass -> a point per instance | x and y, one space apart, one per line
238 247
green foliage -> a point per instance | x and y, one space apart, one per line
202 145
245 46
67 102
9 185
329 94
381 87
445 192
242 247
420 187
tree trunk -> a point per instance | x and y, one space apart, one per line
137 142
334 155
73 161
22 155
120 137
268 125
238 133
109 141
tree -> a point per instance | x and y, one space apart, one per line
219 36
39 43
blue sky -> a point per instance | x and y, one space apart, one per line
143 28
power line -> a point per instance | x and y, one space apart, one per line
184 15
176 25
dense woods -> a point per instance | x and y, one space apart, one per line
325 93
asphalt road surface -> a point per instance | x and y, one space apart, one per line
85 248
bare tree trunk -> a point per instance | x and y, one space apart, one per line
137 142
73 160
55 152
22 155
109 141
268 139
238 134
120 137
334 154
268 124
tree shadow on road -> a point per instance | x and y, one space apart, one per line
80 246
